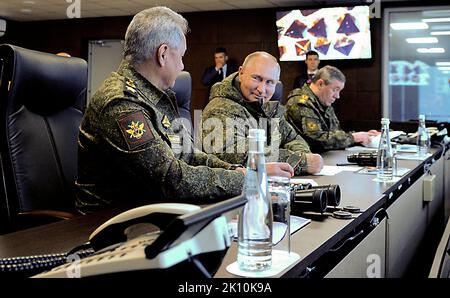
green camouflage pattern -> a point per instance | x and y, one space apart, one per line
318 124
150 159
229 143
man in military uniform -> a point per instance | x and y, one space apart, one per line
240 102
131 145
309 110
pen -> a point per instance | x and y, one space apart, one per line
346 164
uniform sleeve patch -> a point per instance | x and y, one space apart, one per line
312 125
135 129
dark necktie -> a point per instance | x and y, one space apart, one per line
310 76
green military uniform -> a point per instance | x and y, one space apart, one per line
317 123
131 147
227 137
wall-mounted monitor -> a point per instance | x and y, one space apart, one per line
335 33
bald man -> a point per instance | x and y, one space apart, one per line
240 102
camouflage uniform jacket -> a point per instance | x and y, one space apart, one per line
131 146
228 142
316 123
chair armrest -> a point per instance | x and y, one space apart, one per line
43 213
30 219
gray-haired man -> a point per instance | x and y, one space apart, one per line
128 141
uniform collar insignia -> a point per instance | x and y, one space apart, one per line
130 83
165 121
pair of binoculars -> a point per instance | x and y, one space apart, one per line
306 197
364 159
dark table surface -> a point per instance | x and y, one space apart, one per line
310 242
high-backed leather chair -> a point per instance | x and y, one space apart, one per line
42 98
183 90
278 94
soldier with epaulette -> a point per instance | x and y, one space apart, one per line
132 145
242 101
309 111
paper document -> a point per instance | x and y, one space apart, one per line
407 156
360 148
406 148
373 171
375 140
329 171
350 168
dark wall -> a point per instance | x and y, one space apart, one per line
241 32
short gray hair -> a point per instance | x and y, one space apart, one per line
253 55
329 73
258 54
151 28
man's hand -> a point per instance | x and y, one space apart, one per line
281 169
219 65
373 133
361 137
314 163
241 170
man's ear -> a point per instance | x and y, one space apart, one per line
241 70
320 83
162 54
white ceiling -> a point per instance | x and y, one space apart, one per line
34 10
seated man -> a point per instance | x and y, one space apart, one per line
131 146
309 110
240 102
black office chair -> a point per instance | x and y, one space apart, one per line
183 91
42 98
278 94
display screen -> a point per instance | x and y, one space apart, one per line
334 33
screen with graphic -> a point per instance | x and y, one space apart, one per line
335 33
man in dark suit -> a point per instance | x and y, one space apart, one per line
219 71
312 66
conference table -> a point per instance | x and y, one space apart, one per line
394 219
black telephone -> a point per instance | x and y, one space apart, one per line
191 241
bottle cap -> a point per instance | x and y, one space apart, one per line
385 121
257 134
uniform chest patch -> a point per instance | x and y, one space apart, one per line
135 129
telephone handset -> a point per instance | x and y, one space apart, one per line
160 215
192 241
